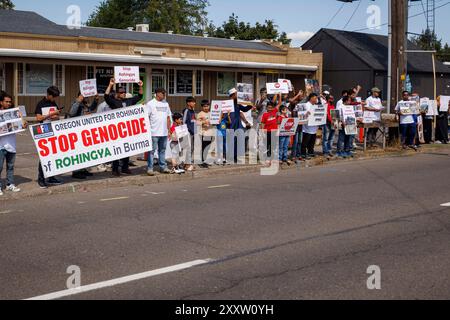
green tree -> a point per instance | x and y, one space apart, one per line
179 16
429 40
6 4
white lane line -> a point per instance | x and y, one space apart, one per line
154 193
114 199
445 205
6 212
119 281
222 186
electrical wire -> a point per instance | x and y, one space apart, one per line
354 12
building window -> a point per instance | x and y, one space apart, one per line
158 79
225 82
180 82
2 77
34 79
90 72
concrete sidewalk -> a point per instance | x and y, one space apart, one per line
27 161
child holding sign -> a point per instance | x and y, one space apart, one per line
175 144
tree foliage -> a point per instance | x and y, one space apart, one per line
429 40
6 4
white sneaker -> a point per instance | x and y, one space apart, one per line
1 192
101 168
12 188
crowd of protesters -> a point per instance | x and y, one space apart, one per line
265 116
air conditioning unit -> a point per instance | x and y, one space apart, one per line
142 27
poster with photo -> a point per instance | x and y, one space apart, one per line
245 93
10 121
359 111
312 86
349 120
301 111
408 107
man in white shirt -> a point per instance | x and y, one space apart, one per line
407 125
160 121
7 150
374 106
309 132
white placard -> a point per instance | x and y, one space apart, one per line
88 88
23 110
126 74
432 108
349 120
289 126
302 110
182 131
245 93
409 108
444 103
78 143
318 116
10 122
289 83
277 88
369 117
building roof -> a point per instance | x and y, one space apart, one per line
373 50
12 21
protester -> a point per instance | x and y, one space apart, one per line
297 146
374 104
261 106
442 124
46 104
221 139
309 132
175 146
206 131
343 145
269 123
160 123
328 130
407 125
284 140
8 149
117 102
79 108
189 119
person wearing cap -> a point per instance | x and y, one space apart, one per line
374 104
117 102
160 123
235 116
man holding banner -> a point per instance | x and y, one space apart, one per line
117 102
8 148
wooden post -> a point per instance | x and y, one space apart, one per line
433 57
16 84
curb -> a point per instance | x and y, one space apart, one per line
143 180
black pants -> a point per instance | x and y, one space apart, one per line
427 129
41 172
442 127
206 142
125 164
372 135
308 143
269 144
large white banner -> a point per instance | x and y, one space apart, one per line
318 116
77 143
10 122
126 74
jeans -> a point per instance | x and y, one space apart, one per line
328 139
159 143
343 142
284 148
297 147
408 132
10 159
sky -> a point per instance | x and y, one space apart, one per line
299 18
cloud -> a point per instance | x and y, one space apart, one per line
300 37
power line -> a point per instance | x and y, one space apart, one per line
413 16
335 15
354 12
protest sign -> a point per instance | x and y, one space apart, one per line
445 100
88 88
126 74
10 121
289 83
301 110
182 133
408 107
216 110
359 112
23 110
277 88
432 108
245 93
78 143
289 126
318 116
420 131
226 106
312 86
349 120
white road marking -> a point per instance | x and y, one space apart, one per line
119 281
155 193
222 186
114 199
445 205
6 212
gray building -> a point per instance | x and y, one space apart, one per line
352 58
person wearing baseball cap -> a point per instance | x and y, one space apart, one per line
374 104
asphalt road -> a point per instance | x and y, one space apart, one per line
307 234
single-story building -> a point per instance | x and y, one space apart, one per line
36 53
352 58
